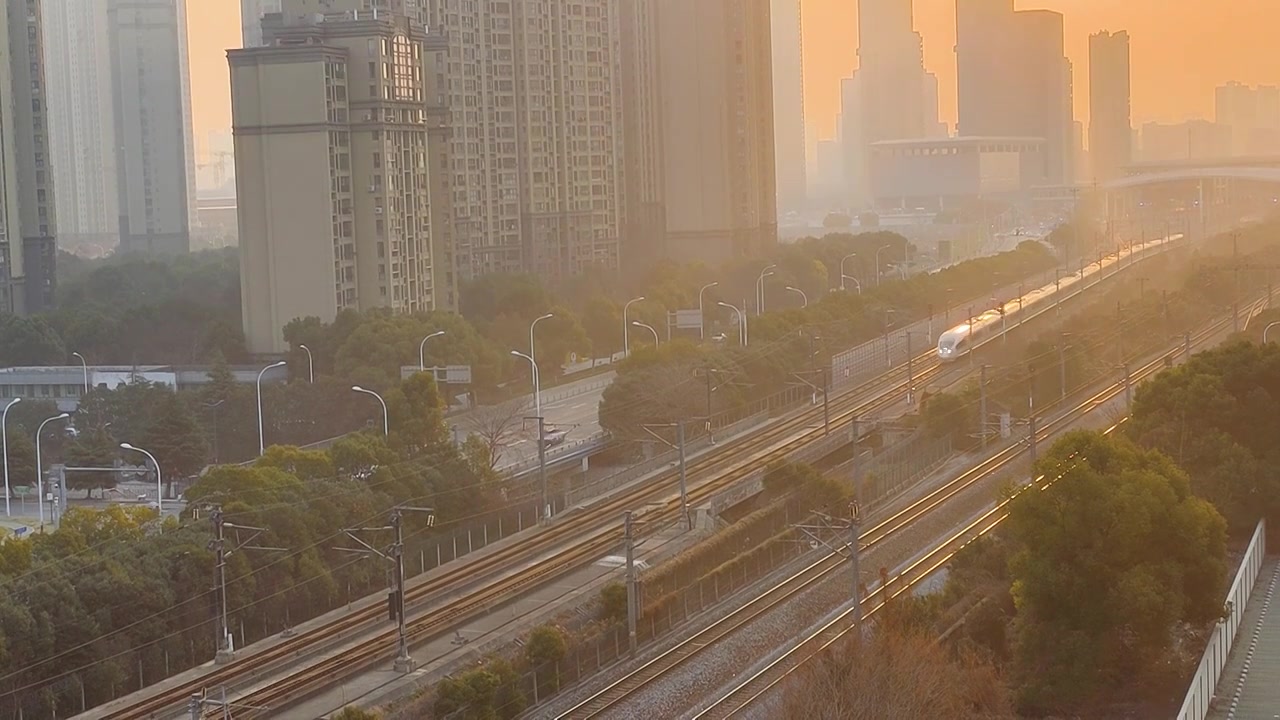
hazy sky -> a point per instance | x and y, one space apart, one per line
1181 49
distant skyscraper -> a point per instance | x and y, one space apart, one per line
1109 101
155 150
933 127
251 12
788 105
337 159
1014 78
28 249
82 123
533 99
1253 115
890 65
698 80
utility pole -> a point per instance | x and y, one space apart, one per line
1120 331
1235 300
1186 346
633 598
1128 387
684 494
544 509
225 647
826 533
826 397
394 554
1031 424
911 378
1062 363
855 520
982 405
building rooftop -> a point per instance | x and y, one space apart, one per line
964 140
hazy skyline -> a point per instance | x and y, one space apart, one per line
1182 49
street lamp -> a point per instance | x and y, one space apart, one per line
742 323
84 365
760 288
537 385
159 484
533 325
626 338
843 277
886 247
702 320
311 368
4 438
386 422
1265 330
39 469
637 323
422 346
261 445
803 298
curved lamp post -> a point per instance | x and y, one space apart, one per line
39 469
4 438
159 483
702 318
766 272
422 347
637 323
311 367
1266 330
626 336
803 298
742 323
537 387
261 445
84 365
878 273
844 277
386 421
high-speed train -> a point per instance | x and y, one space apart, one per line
962 339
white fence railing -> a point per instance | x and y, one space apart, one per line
1200 694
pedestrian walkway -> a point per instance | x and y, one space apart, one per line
1250 685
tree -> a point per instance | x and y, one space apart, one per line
94 448
175 440
496 425
1105 564
545 648
896 676
29 341
22 461
602 322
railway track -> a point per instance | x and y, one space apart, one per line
753 688
470 589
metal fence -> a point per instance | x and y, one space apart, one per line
1201 693
897 468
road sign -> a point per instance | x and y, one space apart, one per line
450 375
688 319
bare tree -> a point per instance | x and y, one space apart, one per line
496 425
897 675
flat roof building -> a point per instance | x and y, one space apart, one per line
938 174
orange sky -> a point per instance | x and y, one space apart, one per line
1181 49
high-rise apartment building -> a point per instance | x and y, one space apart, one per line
81 123
27 206
895 93
1253 116
788 105
1015 79
155 150
251 14
698 81
1110 118
337 133
534 104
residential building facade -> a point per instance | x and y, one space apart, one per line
155 151
1110 117
788 105
700 158
335 120
28 248
81 124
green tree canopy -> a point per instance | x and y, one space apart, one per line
1105 564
